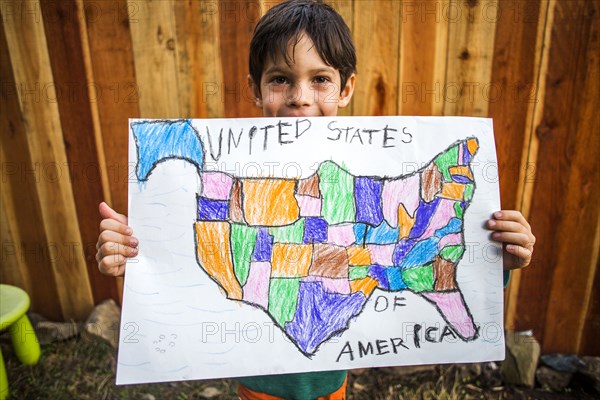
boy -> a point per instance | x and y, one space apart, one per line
302 63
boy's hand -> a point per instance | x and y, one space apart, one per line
513 230
115 242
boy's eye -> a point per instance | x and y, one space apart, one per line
279 80
321 79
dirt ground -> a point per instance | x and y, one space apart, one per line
83 368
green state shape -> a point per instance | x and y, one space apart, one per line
469 187
337 189
358 272
293 233
283 299
419 279
447 159
243 240
452 252
458 210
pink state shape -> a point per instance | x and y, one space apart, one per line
443 213
381 254
451 239
309 206
332 285
403 190
216 185
454 311
342 234
256 289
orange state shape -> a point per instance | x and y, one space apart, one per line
405 222
365 285
472 145
291 260
214 252
453 190
270 202
461 170
358 255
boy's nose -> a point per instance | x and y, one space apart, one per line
300 95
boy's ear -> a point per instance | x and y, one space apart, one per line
347 91
255 91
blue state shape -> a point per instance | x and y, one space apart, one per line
423 253
359 233
158 141
321 314
382 234
454 226
394 276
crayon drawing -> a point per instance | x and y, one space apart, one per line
310 251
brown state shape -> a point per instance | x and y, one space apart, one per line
431 182
443 270
235 203
329 261
309 186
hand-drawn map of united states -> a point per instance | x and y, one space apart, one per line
310 252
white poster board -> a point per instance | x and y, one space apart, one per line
273 246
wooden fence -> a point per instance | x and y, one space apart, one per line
72 73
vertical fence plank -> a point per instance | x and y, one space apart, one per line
154 43
31 66
576 253
200 73
377 35
589 341
346 9
424 41
237 19
471 34
114 81
556 136
65 49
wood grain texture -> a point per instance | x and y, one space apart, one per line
558 135
423 51
591 332
154 47
576 259
113 76
66 55
471 33
377 36
346 9
31 66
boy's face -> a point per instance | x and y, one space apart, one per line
306 88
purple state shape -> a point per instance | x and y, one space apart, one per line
402 249
368 201
423 216
315 230
264 246
320 314
379 273
466 153
461 179
212 210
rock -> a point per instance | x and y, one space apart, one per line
408 369
103 322
50 332
491 375
35 318
522 354
549 378
588 377
210 392
148 396
562 362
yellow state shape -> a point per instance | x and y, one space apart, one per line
291 260
453 191
214 255
269 202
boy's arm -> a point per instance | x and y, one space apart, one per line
514 232
115 242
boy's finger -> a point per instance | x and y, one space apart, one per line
115 226
509 238
523 254
506 226
114 266
512 215
107 212
114 249
112 236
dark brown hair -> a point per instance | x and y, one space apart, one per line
287 22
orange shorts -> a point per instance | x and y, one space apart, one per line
249 394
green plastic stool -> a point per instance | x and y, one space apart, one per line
14 303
